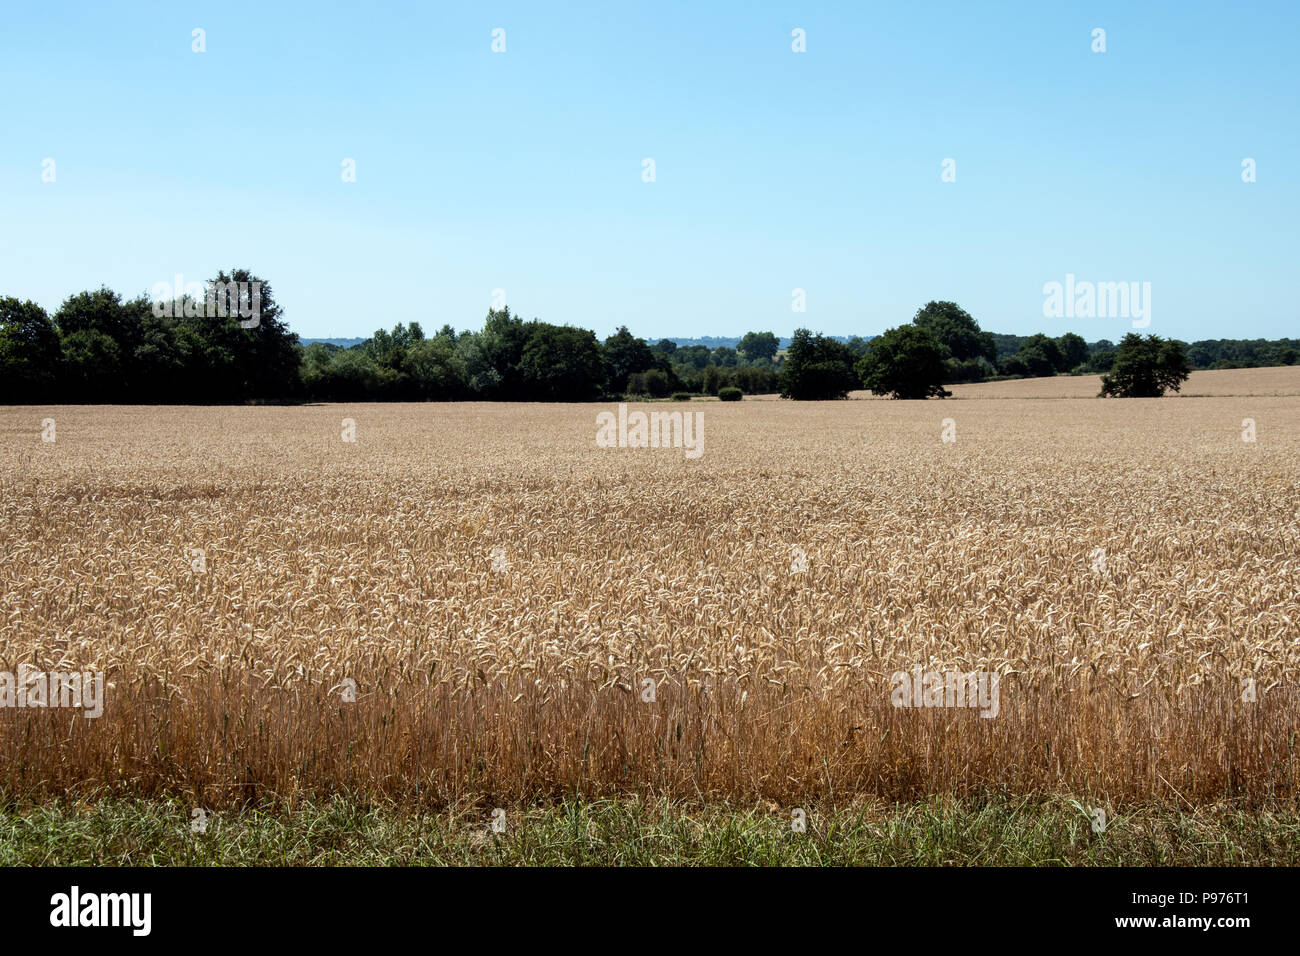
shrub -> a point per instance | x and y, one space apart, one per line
731 394
682 396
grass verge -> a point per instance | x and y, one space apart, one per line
998 831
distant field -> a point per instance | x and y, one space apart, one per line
1282 380
498 591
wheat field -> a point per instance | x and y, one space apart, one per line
1276 381
472 599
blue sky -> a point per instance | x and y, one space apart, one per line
775 170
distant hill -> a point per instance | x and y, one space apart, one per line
341 343
708 341
731 341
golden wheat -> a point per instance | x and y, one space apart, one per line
498 590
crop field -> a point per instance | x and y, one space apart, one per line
435 601
1216 383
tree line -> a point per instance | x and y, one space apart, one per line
99 347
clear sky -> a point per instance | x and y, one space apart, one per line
774 170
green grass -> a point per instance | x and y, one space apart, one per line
998 831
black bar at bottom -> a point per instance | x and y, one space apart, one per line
344 906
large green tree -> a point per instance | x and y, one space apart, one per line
905 362
1146 367
817 367
102 334
956 331
433 368
757 346
1038 356
626 354
501 344
247 352
1073 349
91 368
562 364
104 310
30 352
